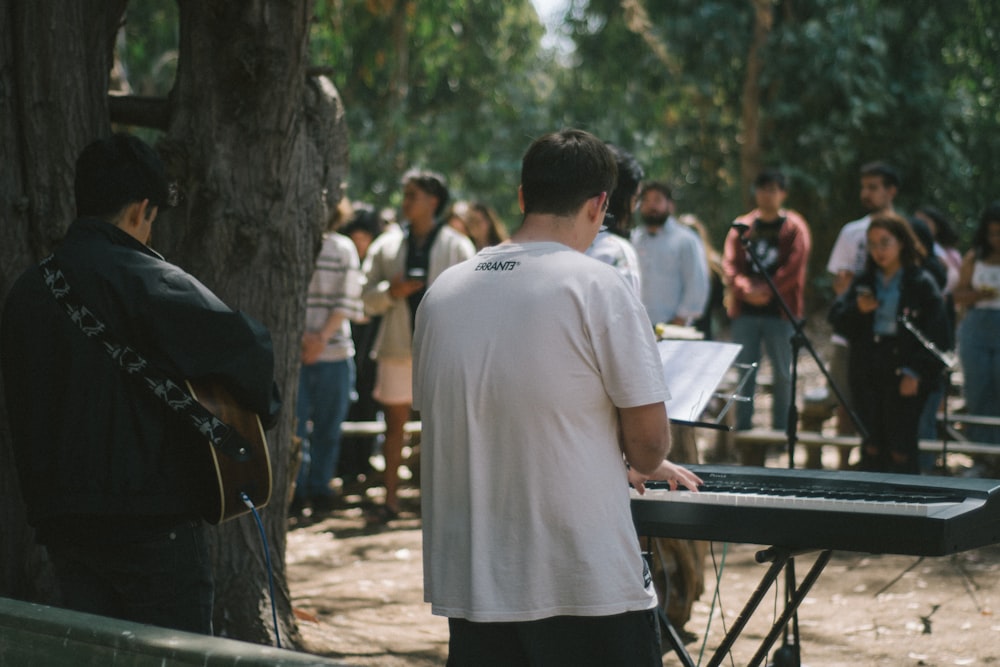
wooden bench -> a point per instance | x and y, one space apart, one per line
375 428
34 635
812 439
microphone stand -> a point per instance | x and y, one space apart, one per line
948 362
799 340
788 655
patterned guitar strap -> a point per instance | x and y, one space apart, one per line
223 437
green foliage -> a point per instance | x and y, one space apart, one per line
462 86
147 47
913 82
450 85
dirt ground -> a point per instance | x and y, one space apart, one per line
358 593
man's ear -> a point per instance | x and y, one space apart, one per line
520 198
140 211
597 206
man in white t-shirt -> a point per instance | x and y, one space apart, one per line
538 379
879 185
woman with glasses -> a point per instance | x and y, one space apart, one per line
889 307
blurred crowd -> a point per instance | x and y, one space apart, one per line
912 312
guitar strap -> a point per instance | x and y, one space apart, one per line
223 437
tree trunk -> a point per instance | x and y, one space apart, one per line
750 147
259 153
54 62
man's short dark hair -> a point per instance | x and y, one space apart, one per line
562 170
116 171
365 219
770 176
430 182
658 186
889 174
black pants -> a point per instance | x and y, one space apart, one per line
624 640
164 579
892 420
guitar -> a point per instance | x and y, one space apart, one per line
250 474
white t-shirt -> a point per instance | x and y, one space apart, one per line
521 356
619 253
849 253
986 276
851 247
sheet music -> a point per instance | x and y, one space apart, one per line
693 371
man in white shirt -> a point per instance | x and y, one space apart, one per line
542 396
672 261
879 185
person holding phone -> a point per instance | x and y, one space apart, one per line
400 265
890 372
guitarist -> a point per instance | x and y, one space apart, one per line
110 475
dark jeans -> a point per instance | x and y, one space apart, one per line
892 420
164 579
624 640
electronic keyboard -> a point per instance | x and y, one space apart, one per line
823 509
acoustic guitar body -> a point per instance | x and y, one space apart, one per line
233 477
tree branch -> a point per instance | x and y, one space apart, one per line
151 112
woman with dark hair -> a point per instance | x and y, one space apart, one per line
945 238
890 371
485 227
978 291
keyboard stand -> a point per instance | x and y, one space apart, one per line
780 559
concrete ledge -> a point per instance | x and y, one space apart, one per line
34 635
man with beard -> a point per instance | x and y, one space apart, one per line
672 262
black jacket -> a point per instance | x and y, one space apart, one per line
919 300
88 441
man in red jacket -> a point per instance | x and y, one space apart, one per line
780 239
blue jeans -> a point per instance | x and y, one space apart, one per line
776 335
928 427
324 397
979 350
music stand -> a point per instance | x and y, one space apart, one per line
693 369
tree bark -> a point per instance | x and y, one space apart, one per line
54 64
750 146
259 153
